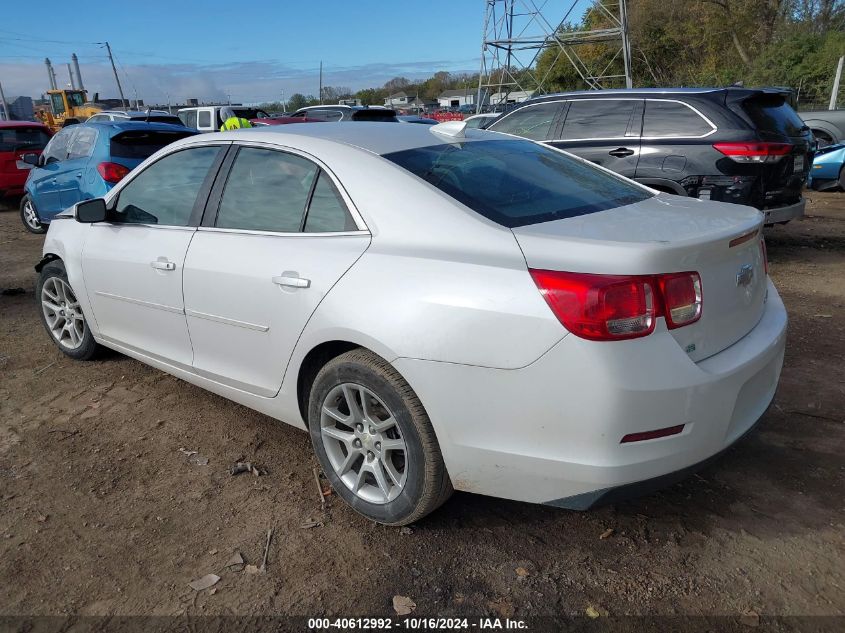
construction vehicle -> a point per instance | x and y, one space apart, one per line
67 106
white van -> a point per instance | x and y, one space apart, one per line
207 118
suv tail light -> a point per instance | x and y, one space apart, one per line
112 172
619 307
754 152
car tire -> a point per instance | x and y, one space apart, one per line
62 315
842 178
29 216
352 445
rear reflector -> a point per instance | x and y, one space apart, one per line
765 255
112 172
754 152
652 435
619 307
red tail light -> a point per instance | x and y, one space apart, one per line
754 152
112 172
614 307
682 299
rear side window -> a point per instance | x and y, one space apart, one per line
326 210
374 114
204 118
83 143
515 182
670 118
772 114
138 144
598 118
189 118
165 192
324 115
23 138
266 191
534 122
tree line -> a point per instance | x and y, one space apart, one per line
674 43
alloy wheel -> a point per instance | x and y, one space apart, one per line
30 217
62 313
363 443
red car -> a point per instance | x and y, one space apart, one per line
16 139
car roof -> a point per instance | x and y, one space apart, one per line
376 137
116 127
135 113
595 94
22 124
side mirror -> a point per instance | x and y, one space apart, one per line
91 211
32 159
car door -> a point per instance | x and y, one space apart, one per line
274 240
69 179
133 263
671 142
603 131
43 180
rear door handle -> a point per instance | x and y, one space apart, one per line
292 282
163 265
621 152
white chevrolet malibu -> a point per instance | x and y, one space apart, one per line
441 308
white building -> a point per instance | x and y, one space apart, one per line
398 100
514 96
457 98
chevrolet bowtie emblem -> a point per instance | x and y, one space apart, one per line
745 275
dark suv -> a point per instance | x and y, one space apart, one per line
739 145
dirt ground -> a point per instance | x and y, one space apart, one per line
102 514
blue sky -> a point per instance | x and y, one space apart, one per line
208 50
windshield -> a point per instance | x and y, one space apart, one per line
18 138
141 144
515 182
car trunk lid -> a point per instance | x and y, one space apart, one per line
668 234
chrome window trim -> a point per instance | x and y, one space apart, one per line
168 227
714 127
214 229
350 205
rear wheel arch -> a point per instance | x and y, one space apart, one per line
311 365
48 257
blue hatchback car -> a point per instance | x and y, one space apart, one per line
84 161
828 171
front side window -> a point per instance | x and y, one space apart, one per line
534 122
56 149
204 118
83 143
515 182
266 191
166 191
598 119
670 118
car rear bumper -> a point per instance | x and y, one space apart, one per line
551 432
785 213
12 182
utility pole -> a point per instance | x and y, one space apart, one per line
116 78
321 82
835 92
4 104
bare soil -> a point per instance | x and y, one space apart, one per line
101 513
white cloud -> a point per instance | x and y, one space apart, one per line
246 82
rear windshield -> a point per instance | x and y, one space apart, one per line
376 114
18 138
515 182
772 114
141 144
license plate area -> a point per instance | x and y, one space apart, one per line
798 164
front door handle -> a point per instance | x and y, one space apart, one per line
292 282
163 265
621 152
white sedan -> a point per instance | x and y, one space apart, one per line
441 308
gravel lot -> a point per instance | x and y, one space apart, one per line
102 514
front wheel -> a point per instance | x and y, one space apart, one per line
374 440
62 315
29 216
